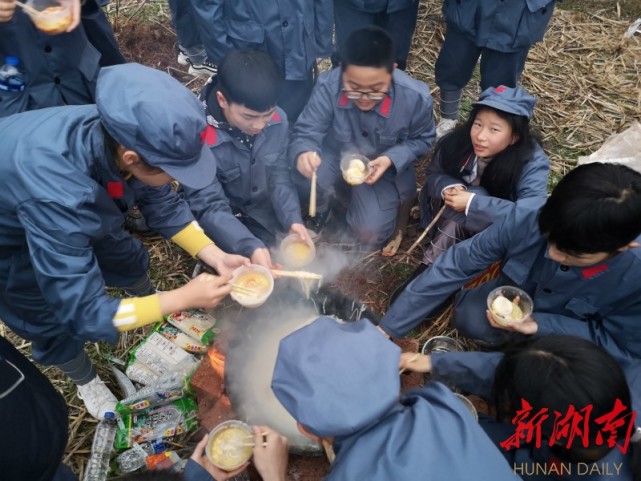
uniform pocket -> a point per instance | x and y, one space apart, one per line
13 102
533 23
227 174
582 308
461 14
245 33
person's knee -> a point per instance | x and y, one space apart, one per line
371 233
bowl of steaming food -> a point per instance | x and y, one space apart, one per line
251 286
355 168
509 305
50 16
230 445
296 252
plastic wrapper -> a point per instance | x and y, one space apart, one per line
195 323
132 460
167 460
622 148
162 422
170 387
155 357
178 337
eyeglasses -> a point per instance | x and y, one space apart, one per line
357 95
16 383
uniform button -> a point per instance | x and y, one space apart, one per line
285 23
254 189
48 49
365 134
56 81
565 268
547 290
253 161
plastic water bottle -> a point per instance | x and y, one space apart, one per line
11 78
103 443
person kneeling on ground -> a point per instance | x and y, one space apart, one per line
340 381
252 201
366 107
577 258
68 176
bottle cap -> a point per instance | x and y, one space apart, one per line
11 60
110 415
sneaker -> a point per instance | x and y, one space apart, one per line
445 126
97 397
183 58
204 69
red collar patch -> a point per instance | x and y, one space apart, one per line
590 272
115 190
386 105
343 100
276 117
499 89
209 135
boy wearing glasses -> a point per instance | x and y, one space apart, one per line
370 108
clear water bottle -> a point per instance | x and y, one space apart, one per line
11 78
103 443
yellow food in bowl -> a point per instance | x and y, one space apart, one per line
356 172
298 253
506 310
255 281
230 448
53 20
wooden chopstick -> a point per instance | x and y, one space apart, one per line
244 290
251 445
27 8
312 195
297 274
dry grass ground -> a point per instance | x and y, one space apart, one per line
585 75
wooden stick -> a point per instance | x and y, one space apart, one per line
329 451
412 359
297 274
244 290
251 444
427 229
28 9
312 196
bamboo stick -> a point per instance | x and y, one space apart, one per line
297 274
427 229
28 9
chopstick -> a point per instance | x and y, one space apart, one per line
297 274
312 194
251 445
412 359
244 290
27 8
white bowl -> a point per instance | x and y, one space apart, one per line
355 168
262 281
53 17
524 304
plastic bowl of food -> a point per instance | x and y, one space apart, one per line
52 17
230 445
441 344
355 168
509 305
251 286
296 252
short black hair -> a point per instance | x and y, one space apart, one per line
250 78
368 47
594 208
556 372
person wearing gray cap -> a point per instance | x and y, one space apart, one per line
340 381
483 167
68 176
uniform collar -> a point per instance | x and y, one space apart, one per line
587 272
383 108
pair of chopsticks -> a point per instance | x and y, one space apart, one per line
27 8
247 445
297 274
244 290
252 443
